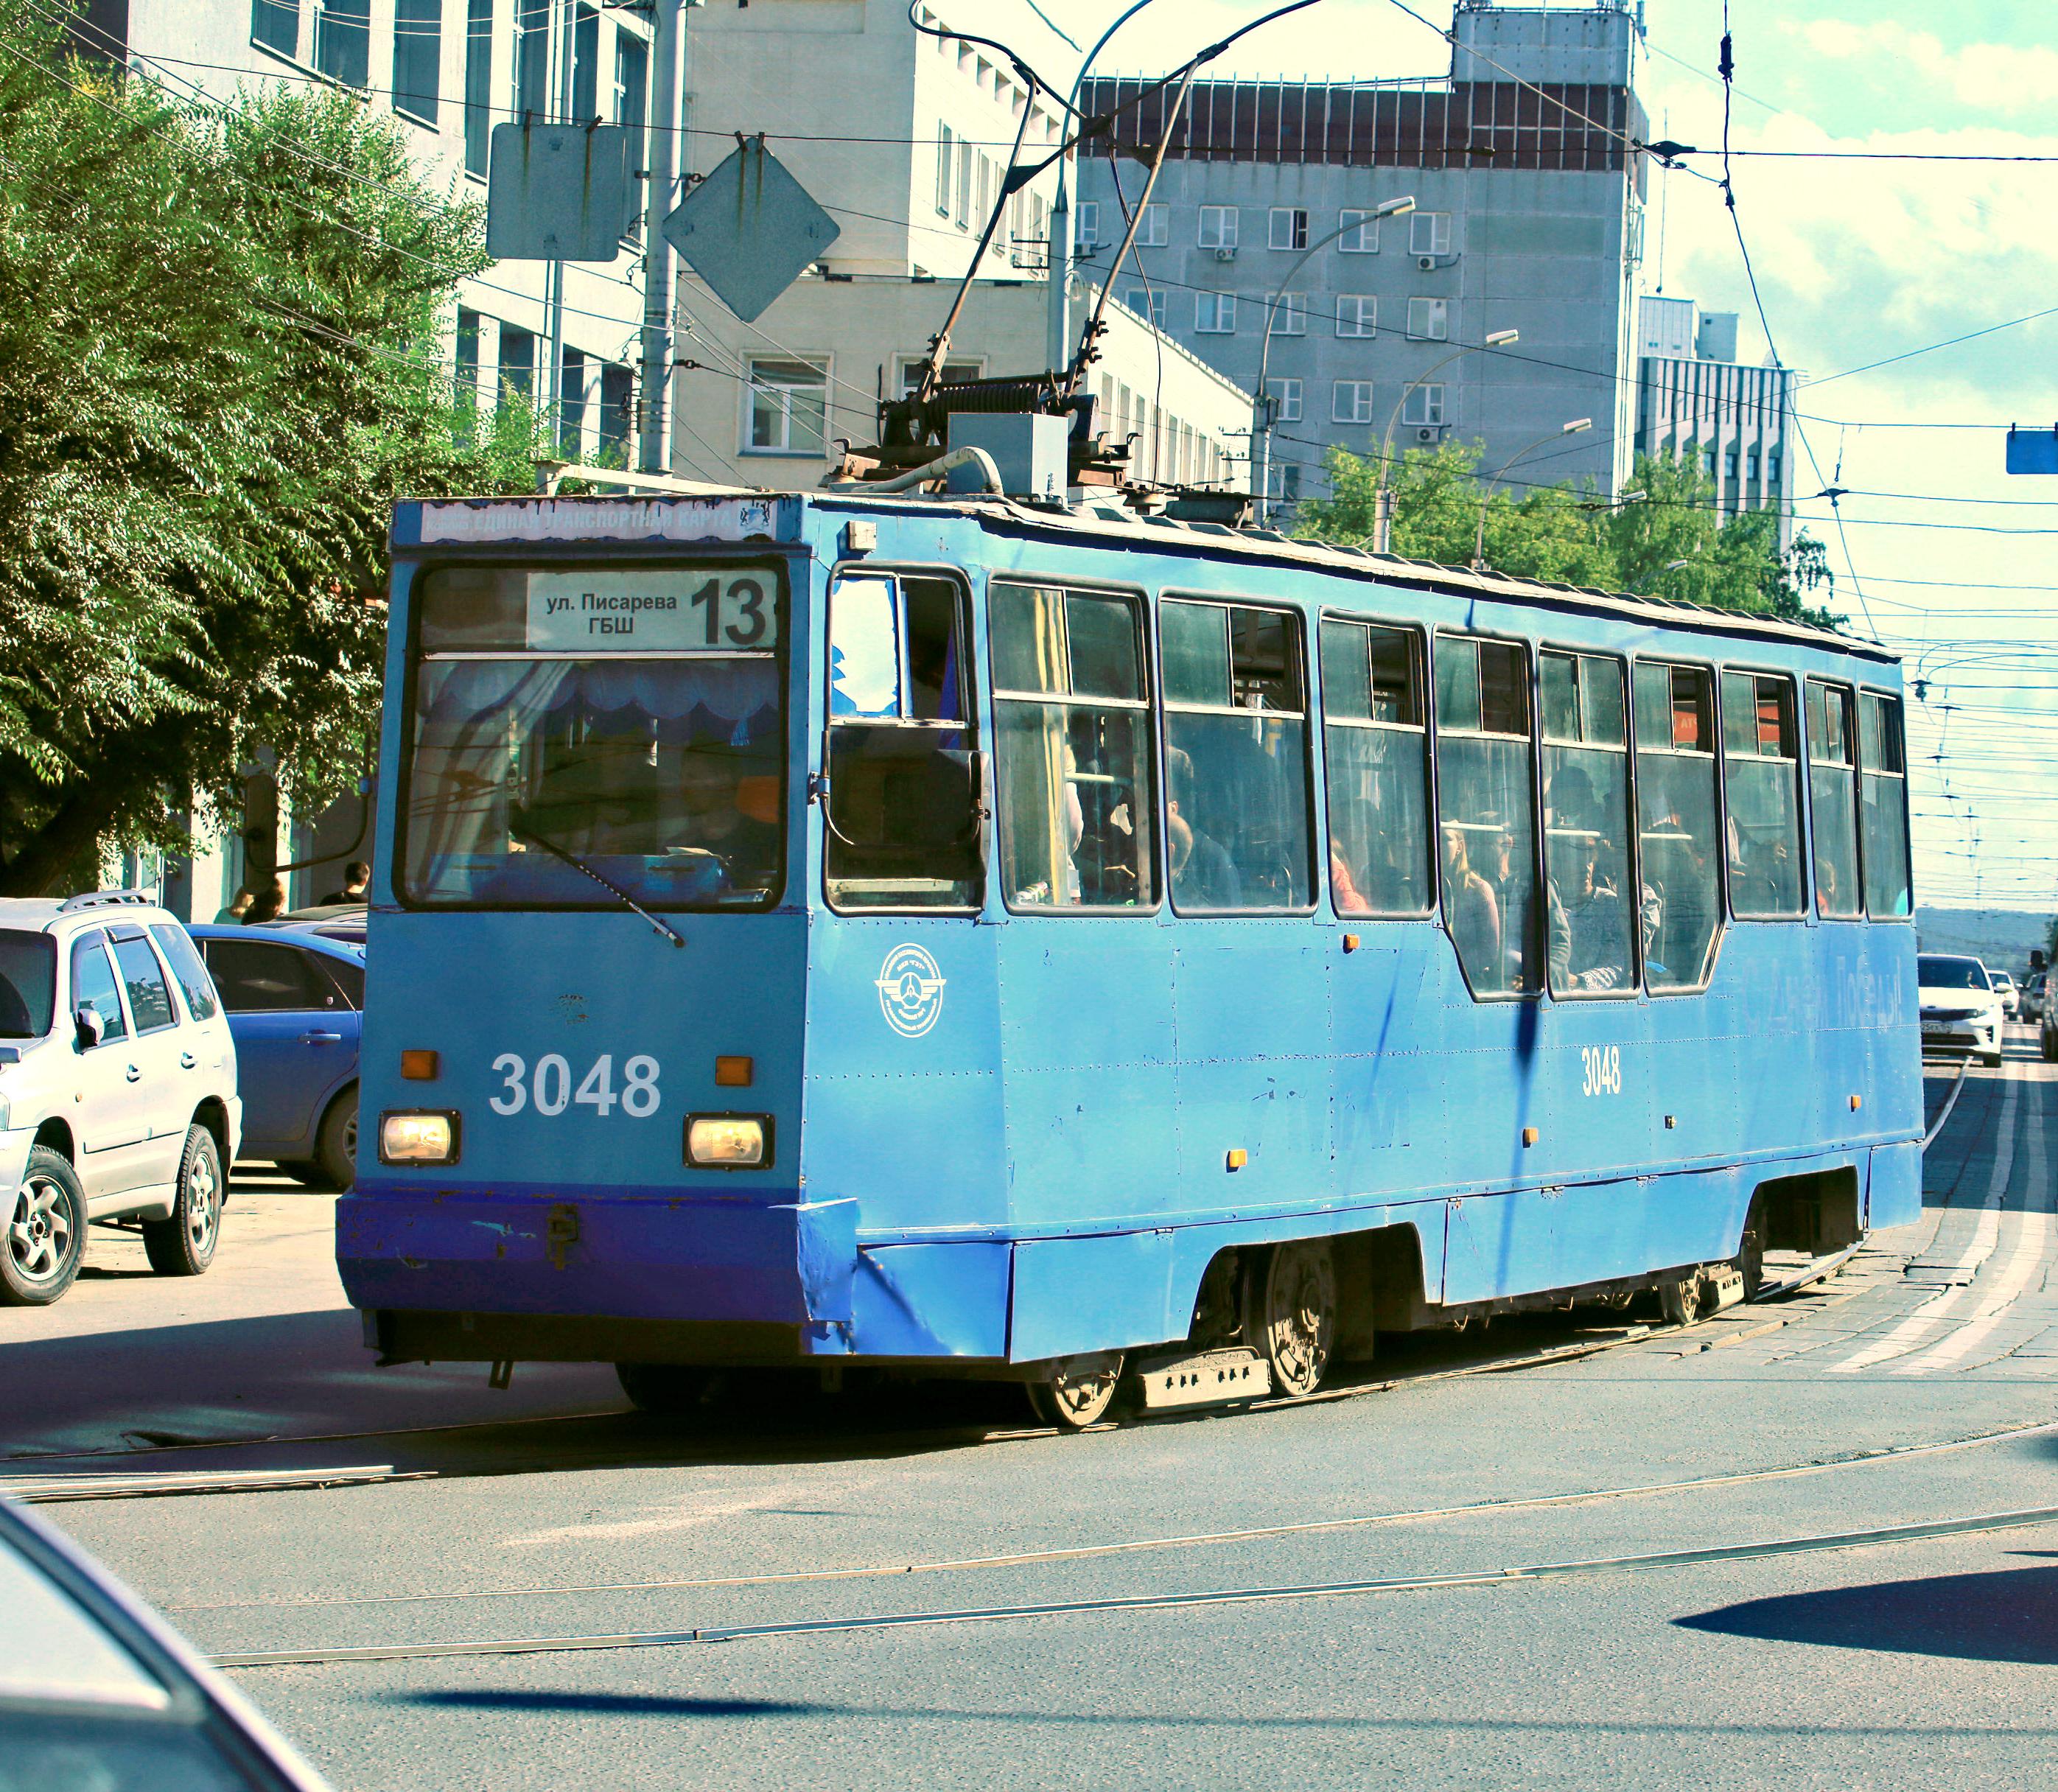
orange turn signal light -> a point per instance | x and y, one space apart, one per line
1530 1135
734 1073
420 1066
1239 1157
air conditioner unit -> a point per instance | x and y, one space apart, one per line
1428 432
1426 263
1225 255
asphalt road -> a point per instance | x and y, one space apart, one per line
1172 1603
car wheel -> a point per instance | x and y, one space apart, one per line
2050 1048
308 1175
336 1152
46 1237
1991 1060
184 1244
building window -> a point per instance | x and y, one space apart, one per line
1360 235
946 162
478 85
618 412
1289 483
343 41
467 358
418 57
1357 315
1424 406
1214 313
532 60
1285 396
963 199
953 373
1729 465
1429 319
586 66
1708 463
1772 469
1289 227
1154 230
1146 302
788 406
571 405
275 23
1350 401
632 89
517 362
1429 233
1750 467
1086 228
1289 314
1217 228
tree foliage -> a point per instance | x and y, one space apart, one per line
220 363
1669 540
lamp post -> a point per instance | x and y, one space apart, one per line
1382 503
1391 209
1058 317
1577 426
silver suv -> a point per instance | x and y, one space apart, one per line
117 1089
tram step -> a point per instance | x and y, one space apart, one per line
1726 1285
1205 1378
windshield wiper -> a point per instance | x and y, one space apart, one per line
522 831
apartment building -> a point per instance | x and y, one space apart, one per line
1694 397
910 176
1528 205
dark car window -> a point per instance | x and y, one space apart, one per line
1951 973
255 978
93 985
349 978
176 944
149 996
28 984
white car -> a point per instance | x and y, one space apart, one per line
2005 986
117 1089
1961 1009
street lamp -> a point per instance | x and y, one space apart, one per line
1391 209
1577 426
1382 503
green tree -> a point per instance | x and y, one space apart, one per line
1665 538
220 363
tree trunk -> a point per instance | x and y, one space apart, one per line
44 860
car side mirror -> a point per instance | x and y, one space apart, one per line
92 1029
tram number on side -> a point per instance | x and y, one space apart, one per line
1602 1068
548 1086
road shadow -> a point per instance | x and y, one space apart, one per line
2007 1614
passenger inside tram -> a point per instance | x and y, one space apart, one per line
1474 909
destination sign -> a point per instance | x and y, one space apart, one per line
665 610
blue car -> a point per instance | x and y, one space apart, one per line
295 1004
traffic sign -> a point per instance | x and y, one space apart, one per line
2033 450
558 192
749 229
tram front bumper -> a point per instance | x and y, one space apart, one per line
661 1256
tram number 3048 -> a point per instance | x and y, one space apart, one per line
1602 1068
548 1087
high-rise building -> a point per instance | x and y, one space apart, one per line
1528 202
1694 398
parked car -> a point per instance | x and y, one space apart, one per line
117 1089
96 1691
295 1002
2030 1005
2005 989
1960 1008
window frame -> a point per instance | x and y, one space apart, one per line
1364 314
1744 669
1418 633
1143 617
1154 226
1367 219
1530 649
1420 390
1297 218
1289 398
1287 315
1218 327
1310 718
1228 226
1437 314
1899 701
977 686
1721 857
1439 231
427 119
1849 688
1369 388
752 386
1152 303
1633 847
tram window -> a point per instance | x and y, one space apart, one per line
1761 759
1883 797
1375 754
903 777
1588 916
1236 758
1071 720
1679 900
1831 775
1486 813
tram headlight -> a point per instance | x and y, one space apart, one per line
418 1137
729 1141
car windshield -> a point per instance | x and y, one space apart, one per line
579 737
1951 973
28 983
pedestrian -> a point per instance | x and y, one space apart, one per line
233 914
268 905
356 879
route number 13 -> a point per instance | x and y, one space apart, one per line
1601 1065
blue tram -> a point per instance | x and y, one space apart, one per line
827 930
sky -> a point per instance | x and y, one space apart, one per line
1858 262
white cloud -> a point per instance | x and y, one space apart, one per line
2000 78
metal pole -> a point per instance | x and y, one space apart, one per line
1382 502
554 384
1576 426
668 44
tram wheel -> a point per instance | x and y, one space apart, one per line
1077 1393
1679 1299
1290 1312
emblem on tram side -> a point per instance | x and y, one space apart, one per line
911 991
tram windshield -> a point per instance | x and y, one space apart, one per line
579 736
